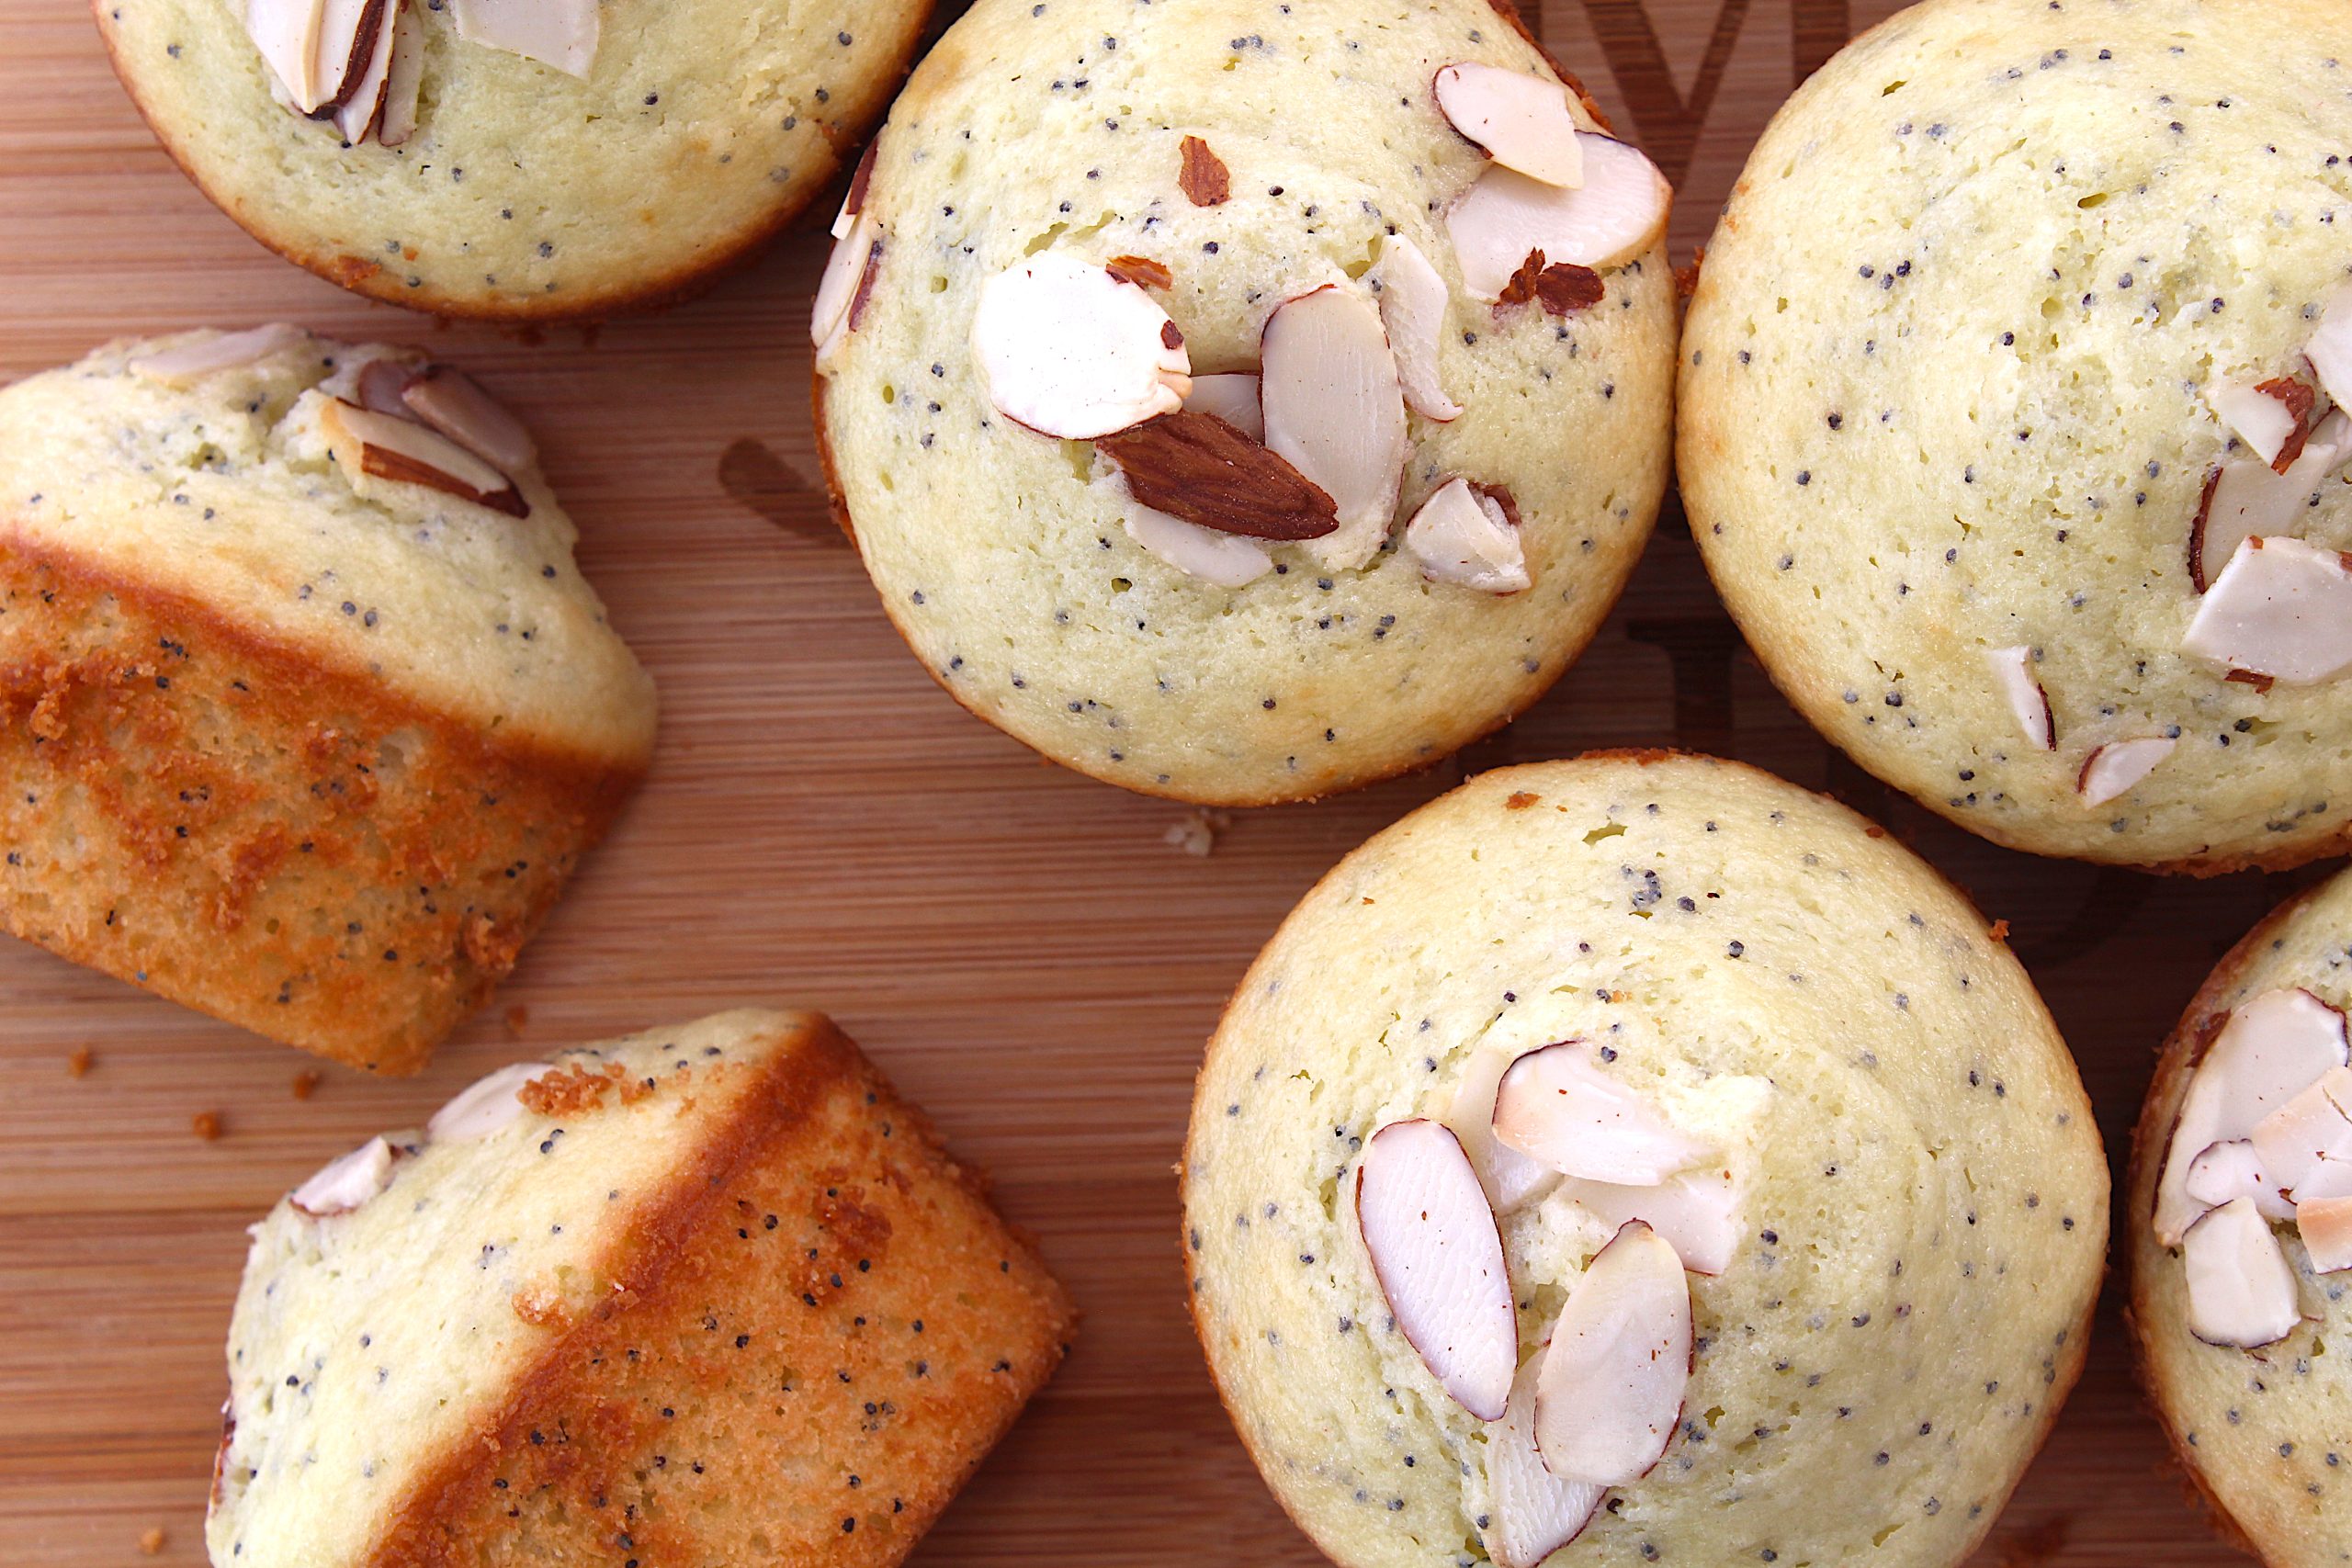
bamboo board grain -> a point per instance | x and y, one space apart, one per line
1016 944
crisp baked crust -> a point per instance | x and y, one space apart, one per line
256 833
833 124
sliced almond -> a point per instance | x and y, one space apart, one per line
2326 1227
842 290
344 1183
1521 121
1439 1259
1142 271
403 78
2289 1142
860 179
1069 349
185 364
287 33
2234 1171
1610 1391
1512 1180
488 1105
1229 560
387 446
2114 768
1534 1512
1619 212
1197 467
2271 419
1412 307
2244 498
364 103
2328 1179
1555 1105
2330 348
1697 1212
2013 671
348 32
562 33
2272 1048
2281 608
453 403
2240 1287
1232 396
1200 175
382 383
1335 411
1463 536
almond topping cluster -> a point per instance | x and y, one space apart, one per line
1311 447
1600 1406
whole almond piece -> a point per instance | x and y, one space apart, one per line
1198 468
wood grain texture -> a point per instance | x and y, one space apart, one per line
1015 945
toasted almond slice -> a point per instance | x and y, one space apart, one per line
2269 418
1335 411
1610 1391
1196 467
2330 348
1619 212
2241 1288
860 178
2013 669
562 33
2273 1046
453 403
2234 1171
364 103
187 363
1512 1179
2112 769
2290 1140
2328 1179
1535 1513
849 273
1697 1212
1463 536
1554 1105
1439 1259
1228 560
2281 608
2326 1227
287 33
345 1182
403 77
1412 307
1232 396
1069 349
389 447
1521 121
487 1105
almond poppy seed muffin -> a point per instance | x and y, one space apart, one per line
1185 382
1622 1001
559 158
706 1294
2017 326
2259 1413
308 713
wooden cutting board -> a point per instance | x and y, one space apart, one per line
1017 945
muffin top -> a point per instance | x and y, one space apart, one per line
603 155
2016 324
1886 1182
259 477
1090 230
2238 1287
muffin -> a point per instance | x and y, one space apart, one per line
563 158
1238 403
1618 1157
2009 421
2241 1226
308 714
706 1294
